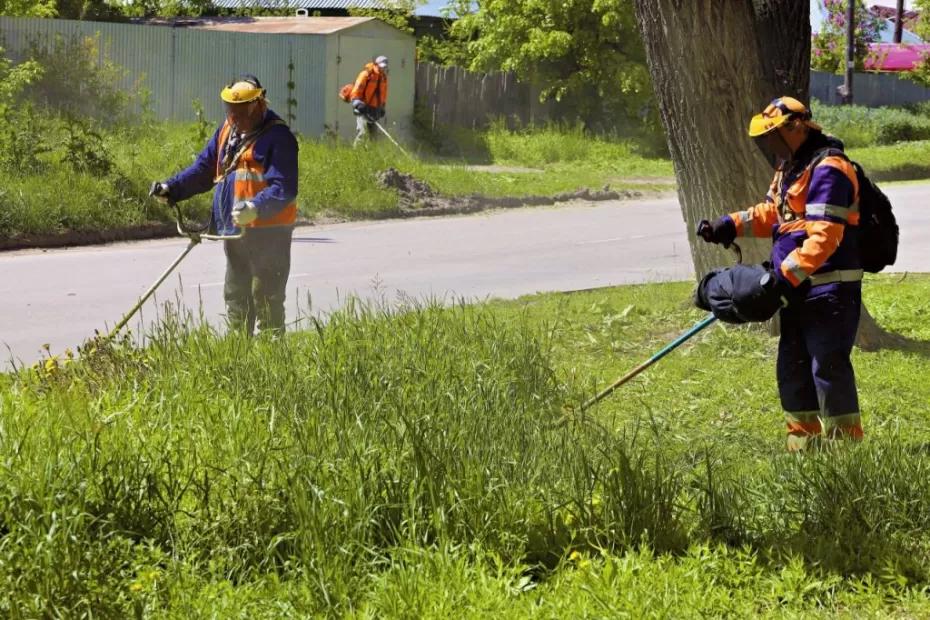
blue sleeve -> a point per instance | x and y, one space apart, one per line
198 177
277 151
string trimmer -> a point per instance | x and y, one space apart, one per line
705 322
195 236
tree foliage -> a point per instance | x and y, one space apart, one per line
398 14
28 8
921 72
589 50
828 47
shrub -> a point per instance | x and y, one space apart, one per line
79 79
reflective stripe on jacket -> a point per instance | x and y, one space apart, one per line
806 212
270 164
249 181
371 86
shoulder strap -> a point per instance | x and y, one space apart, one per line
232 162
827 151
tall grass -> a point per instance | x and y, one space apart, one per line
357 466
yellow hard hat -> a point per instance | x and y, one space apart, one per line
245 89
777 113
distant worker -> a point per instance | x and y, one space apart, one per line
811 213
369 97
252 161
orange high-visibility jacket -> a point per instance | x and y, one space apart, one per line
250 181
806 214
371 86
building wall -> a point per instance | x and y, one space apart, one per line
179 65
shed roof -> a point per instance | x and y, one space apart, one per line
286 25
429 8
267 25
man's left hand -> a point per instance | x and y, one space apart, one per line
244 213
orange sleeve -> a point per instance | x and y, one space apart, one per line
384 85
756 221
358 91
823 238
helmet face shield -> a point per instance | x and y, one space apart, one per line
763 143
774 148
241 115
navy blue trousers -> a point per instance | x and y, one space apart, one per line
814 369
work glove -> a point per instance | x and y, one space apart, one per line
359 107
160 191
244 213
722 231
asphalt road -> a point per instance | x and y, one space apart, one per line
59 297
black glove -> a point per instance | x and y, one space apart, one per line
359 107
722 231
160 191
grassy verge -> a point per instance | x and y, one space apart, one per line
336 181
896 162
59 194
419 463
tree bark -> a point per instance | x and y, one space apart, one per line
715 63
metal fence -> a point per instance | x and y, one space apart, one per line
869 89
177 65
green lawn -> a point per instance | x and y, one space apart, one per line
432 462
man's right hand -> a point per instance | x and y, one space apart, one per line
722 231
359 107
160 191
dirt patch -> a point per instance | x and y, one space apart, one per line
416 197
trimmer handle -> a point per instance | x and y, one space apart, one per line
194 234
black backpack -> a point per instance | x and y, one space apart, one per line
878 230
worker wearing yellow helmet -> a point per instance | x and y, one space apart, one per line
811 214
251 160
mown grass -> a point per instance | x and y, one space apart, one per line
427 461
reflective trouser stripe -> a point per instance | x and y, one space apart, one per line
803 427
847 426
803 422
840 275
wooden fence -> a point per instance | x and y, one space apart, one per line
452 96
456 97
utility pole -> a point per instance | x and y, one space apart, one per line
899 22
847 88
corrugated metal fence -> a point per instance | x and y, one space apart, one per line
869 89
179 65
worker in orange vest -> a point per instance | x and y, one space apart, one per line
369 96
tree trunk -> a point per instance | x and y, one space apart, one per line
715 63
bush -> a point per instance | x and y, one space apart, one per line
859 126
79 79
